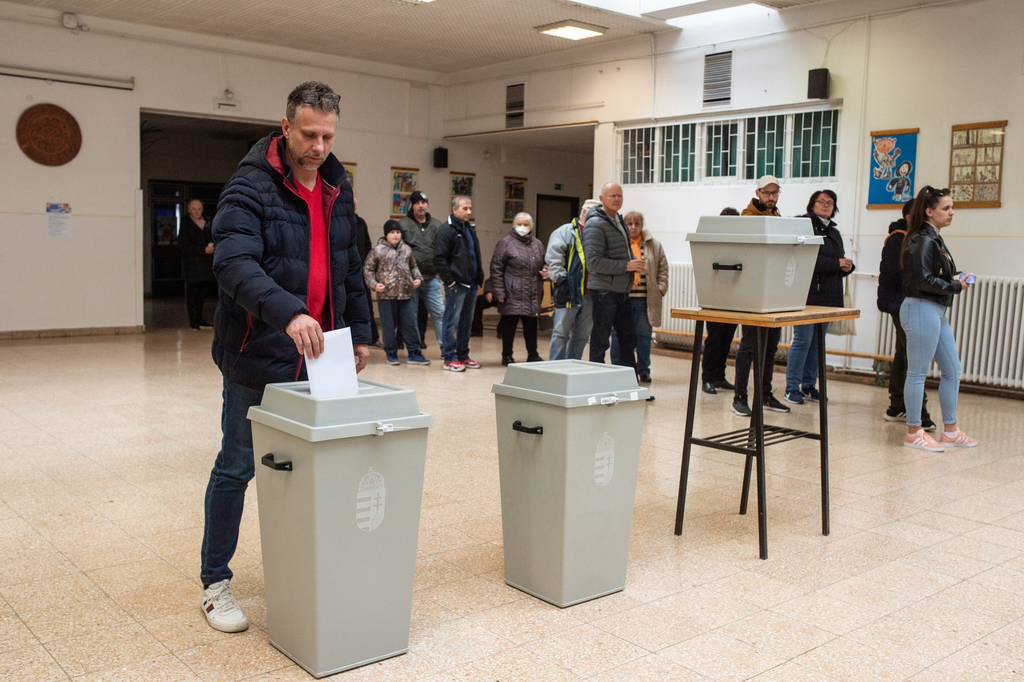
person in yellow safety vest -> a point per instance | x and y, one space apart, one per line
567 269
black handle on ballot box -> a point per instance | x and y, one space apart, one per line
720 266
535 430
268 461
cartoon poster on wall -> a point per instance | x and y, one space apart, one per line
893 163
403 184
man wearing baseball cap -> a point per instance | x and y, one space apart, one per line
764 203
766 197
419 231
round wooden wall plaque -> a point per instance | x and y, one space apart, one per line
49 135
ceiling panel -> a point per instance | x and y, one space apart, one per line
445 35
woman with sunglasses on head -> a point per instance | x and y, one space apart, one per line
826 289
930 279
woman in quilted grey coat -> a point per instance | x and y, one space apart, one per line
517 278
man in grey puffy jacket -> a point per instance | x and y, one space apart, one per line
610 269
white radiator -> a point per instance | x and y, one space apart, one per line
986 321
682 293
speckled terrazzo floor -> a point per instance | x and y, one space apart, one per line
106 444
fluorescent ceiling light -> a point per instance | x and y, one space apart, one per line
572 30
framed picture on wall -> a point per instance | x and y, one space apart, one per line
893 164
350 166
462 184
515 198
976 164
403 184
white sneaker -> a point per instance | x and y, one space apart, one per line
221 609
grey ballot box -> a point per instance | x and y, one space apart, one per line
339 482
568 453
753 264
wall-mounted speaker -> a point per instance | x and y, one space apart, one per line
440 157
817 84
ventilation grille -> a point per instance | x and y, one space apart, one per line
515 105
718 78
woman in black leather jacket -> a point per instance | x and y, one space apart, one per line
930 280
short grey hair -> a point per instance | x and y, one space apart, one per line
295 102
523 214
456 200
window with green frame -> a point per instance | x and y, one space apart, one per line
637 153
815 139
765 147
678 153
720 144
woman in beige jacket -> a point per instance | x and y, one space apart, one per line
648 289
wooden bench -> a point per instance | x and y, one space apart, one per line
879 362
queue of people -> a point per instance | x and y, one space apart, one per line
605 289
285 260
609 274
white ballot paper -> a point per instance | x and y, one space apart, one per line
334 372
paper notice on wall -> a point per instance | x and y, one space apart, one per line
58 221
334 372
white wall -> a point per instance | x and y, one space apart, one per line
928 68
542 170
389 117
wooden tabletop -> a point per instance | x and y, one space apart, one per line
811 314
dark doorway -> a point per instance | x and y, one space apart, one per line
167 204
182 158
552 212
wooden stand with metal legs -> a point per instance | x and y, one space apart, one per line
752 440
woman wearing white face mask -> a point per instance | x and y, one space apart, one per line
517 278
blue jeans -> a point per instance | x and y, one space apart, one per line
431 290
459 306
571 331
644 333
612 310
395 313
225 493
802 363
929 337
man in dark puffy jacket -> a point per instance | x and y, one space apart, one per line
458 263
610 268
287 268
890 298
